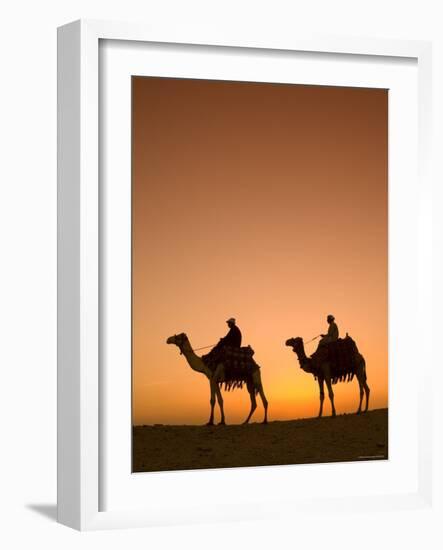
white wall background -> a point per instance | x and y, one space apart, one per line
28 270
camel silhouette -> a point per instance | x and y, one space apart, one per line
325 367
219 376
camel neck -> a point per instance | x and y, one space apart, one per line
301 355
194 361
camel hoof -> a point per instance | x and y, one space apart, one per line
209 424
333 415
222 423
358 412
264 422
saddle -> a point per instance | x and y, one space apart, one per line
341 354
232 358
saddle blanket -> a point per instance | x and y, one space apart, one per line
232 358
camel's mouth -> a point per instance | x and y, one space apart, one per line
289 342
171 340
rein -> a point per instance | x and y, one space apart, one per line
312 339
204 347
196 349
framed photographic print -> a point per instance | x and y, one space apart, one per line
241 229
267 201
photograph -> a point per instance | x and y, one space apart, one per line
259 274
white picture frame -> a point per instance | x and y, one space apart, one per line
80 434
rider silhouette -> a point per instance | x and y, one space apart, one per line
233 338
332 334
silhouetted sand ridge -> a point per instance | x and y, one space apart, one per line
344 438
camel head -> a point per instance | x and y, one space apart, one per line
295 343
299 349
179 340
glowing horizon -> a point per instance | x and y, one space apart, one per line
263 202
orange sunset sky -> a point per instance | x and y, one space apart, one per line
268 203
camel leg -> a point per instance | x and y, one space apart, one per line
265 403
220 404
212 403
360 385
322 395
363 382
368 391
331 394
251 391
259 387
213 382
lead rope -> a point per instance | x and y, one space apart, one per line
312 339
204 347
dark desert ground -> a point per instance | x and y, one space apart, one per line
345 438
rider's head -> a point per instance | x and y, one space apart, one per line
231 322
330 318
